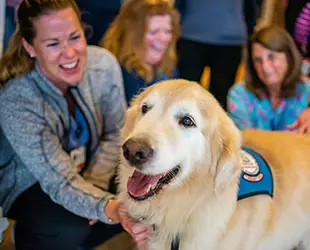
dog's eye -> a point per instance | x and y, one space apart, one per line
187 121
145 108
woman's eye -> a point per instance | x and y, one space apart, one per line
257 60
145 108
52 44
271 56
153 32
187 121
75 37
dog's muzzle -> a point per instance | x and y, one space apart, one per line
140 186
137 152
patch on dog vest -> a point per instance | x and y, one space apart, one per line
256 177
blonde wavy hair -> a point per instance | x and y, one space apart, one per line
125 37
16 61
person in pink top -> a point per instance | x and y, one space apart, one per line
297 22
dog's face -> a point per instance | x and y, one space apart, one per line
173 130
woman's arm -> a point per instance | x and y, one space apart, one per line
302 123
113 106
25 127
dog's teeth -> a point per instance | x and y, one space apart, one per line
149 188
154 186
133 171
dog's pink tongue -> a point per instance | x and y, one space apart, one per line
138 184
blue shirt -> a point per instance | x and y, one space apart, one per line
134 84
220 22
79 132
78 139
249 111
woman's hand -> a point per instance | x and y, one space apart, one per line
138 231
111 210
302 123
116 211
305 79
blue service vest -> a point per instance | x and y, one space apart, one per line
258 181
255 179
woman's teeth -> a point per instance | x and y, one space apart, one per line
69 65
157 48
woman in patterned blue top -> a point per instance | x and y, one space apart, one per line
143 38
273 97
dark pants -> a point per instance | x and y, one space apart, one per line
223 61
42 224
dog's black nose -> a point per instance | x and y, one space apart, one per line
137 151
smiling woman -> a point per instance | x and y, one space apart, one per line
273 96
61 110
59 47
143 38
56 42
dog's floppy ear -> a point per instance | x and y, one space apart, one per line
228 164
131 115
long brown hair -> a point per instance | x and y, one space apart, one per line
16 61
275 39
125 36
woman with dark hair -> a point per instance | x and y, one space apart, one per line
143 39
297 23
273 96
62 107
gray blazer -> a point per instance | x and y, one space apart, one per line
34 121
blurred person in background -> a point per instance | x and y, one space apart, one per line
273 97
296 22
143 39
213 34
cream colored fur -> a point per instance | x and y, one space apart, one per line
200 204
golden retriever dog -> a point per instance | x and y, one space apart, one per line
180 173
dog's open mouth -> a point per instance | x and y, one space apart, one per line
141 186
